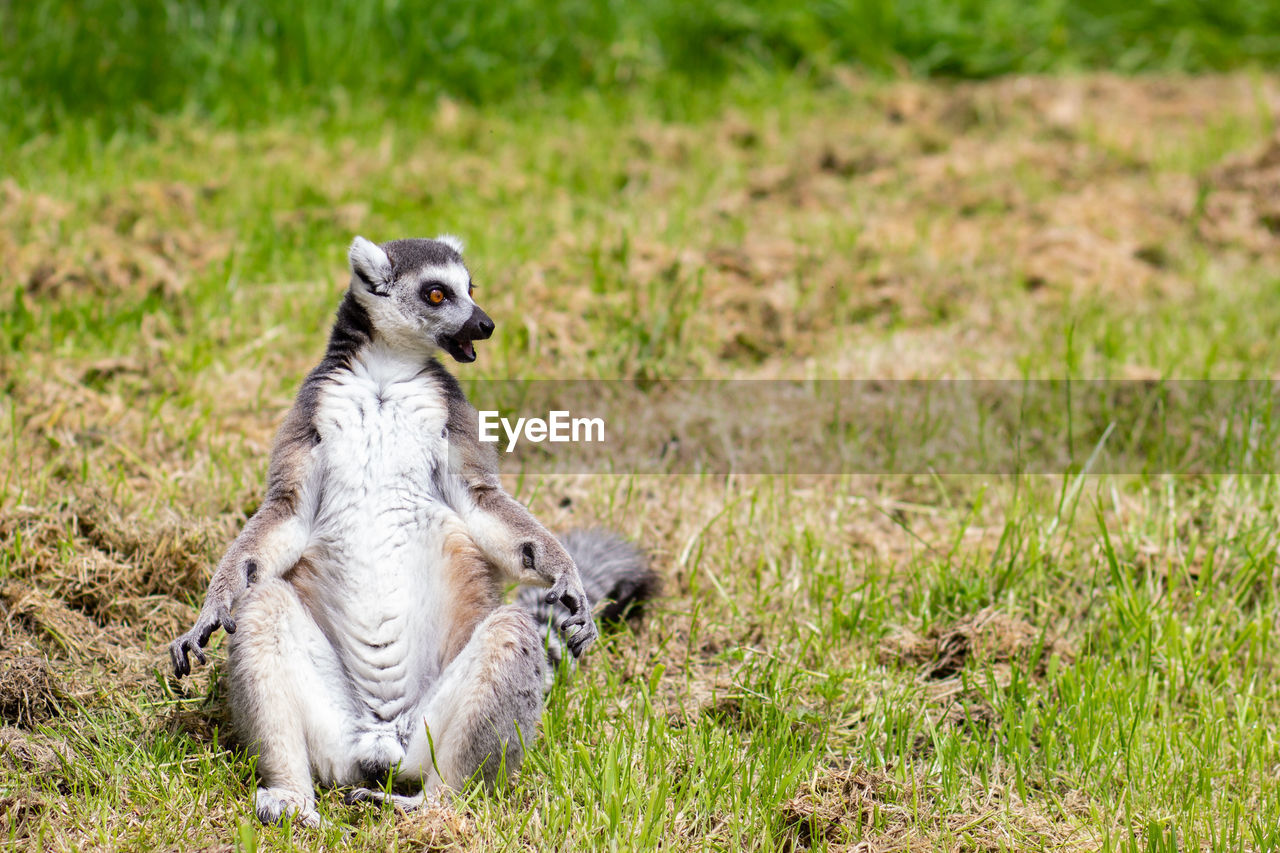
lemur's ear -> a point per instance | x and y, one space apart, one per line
451 241
371 265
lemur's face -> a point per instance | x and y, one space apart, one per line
418 295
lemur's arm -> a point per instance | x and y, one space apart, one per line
270 544
517 544
507 534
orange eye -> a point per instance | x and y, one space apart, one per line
435 296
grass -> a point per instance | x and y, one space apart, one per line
117 64
904 662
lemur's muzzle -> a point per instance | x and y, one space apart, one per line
477 328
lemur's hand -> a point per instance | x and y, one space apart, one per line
579 629
544 557
213 615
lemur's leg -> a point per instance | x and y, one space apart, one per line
288 701
477 717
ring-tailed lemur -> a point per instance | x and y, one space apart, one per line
363 598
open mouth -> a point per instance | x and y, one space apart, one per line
460 348
477 328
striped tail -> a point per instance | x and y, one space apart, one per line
613 570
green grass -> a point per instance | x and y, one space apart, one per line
117 64
165 292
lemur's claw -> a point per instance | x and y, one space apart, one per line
574 600
181 647
582 638
579 628
194 641
180 665
579 631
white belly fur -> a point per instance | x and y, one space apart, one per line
379 530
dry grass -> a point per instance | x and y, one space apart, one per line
28 692
863 811
983 638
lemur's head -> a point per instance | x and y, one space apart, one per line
418 295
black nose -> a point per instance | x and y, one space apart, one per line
482 324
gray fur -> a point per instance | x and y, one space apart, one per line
417 254
364 595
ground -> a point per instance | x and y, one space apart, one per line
855 662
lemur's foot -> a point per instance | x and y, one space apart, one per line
400 801
281 805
